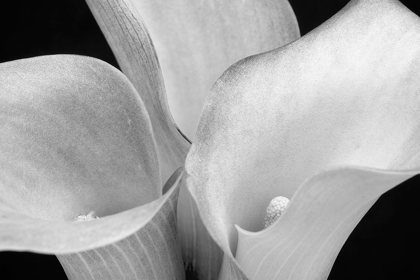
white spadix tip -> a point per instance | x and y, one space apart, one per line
90 216
275 208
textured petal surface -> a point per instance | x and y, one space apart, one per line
202 256
196 41
152 252
79 139
76 138
21 232
305 241
346 93
129 39
127 35
231 269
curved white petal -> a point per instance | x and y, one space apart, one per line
305 241
346 93
77 138
197 40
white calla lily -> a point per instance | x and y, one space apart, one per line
329 121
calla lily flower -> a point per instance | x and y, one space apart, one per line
329 120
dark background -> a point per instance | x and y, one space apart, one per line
385 245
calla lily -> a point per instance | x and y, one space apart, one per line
82 139
324 121
329 121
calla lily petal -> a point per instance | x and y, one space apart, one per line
23 232
77 138
151 252
325 209
344 94
197 40
202 256
177 37
127 35
129 39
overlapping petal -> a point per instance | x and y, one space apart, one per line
129 39
77 138
150 252
188 33
196 41
305 241
346 93
319 102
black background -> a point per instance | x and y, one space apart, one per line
385 244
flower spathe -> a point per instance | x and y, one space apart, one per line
72 148
289 131
91 140
345 94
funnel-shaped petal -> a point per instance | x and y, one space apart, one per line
346 93
77 138
305 241
151 252
197 40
